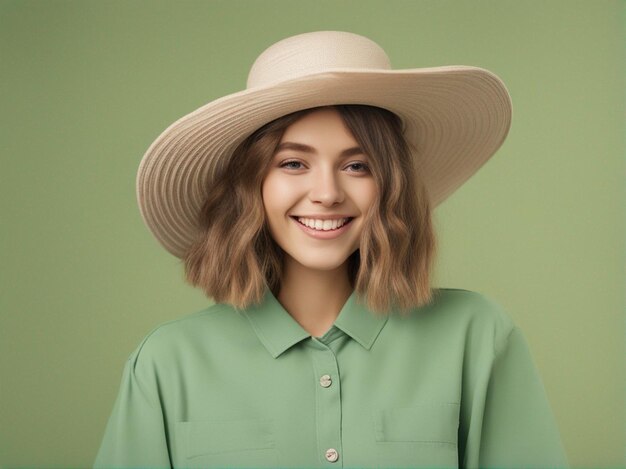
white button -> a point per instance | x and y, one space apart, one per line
325 381
332 455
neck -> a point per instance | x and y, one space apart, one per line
314 298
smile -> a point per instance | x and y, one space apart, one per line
323 225
328 229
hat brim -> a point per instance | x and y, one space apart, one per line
455 119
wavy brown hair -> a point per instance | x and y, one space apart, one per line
235 258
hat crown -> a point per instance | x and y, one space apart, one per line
316 52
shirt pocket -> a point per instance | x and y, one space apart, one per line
424 435
233 443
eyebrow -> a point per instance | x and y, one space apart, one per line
301 147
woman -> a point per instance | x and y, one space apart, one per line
302 207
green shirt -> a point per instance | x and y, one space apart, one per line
451 385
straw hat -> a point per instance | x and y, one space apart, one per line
455 118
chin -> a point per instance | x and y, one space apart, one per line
322 265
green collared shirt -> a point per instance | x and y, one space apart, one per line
451 385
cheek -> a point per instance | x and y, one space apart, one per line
277 193
367 196
273 198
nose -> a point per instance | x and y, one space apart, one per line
326 189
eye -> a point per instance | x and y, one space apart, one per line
291 164
359 167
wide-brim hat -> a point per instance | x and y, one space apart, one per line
455 118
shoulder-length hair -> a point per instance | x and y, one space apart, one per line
235 258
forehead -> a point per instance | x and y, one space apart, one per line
320 126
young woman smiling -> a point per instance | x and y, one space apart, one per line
302 206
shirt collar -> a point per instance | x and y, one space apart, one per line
278 330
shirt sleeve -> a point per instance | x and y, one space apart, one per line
518 428
135 434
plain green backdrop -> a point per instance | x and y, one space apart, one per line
87 85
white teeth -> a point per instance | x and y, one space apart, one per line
323 225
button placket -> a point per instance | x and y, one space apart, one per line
328 404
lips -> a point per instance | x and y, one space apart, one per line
321 234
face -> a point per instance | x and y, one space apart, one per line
317 192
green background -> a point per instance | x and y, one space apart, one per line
86 86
